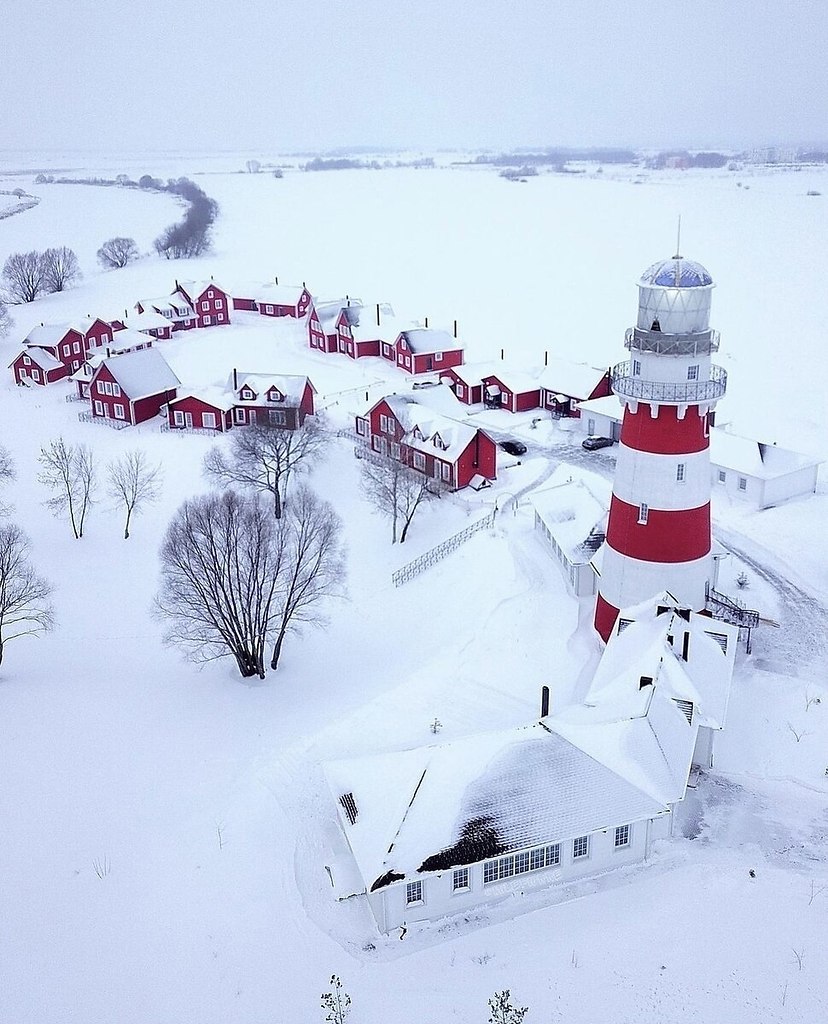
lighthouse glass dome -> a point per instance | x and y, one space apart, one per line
675 295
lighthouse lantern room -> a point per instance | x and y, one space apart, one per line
658 533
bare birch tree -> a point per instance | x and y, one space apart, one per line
5 319
60 268
314 565
69 472
25 608
23 276
7 474
263 458
221 562
395 490
133 483
117 252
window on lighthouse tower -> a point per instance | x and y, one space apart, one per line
643 513
693 372
680 470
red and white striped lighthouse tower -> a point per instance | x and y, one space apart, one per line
658 534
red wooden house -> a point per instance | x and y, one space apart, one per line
132 388
451 453
204 408
68 343
123 341
316 332
427 349
271 399
36 366
282 300
210 303
149 322
511 390
174 308
466 381
564 383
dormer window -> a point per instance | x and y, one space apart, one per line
275 395
247 395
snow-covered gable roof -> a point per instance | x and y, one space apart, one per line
429 431
85 323
125 340
141 374
389 328
427 340
47 335
575 513
277 294
472 374
149 320
755 458
211 394
458 803
517 381
576 380
291 386
45 360
608 406
173 307
195 289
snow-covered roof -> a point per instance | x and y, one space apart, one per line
575 512
173 307
484 795
149 320
125 340
45 360
211 394
677 272
195 289
425 340
755 458
429 431
516 381
276 294
47 334
141 374
472 374
608 406
291 386
575 380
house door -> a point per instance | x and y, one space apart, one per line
188 420
435 472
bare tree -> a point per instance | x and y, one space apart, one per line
264 457
6 321
221 562
314 565
23 276
395 490
117 252
60 268
25 609
503 1011
337 1002
133 483
7 474
69 472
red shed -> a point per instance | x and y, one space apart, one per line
36 366
448 451
133 387
427 349
511 390
564 383
277 400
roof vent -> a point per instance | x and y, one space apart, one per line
645 681
349 806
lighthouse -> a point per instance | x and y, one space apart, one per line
658 532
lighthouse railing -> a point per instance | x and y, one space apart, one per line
690 392
672 344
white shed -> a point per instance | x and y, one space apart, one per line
761 473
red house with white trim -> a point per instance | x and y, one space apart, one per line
427 349
204 408
511 390
270 399
564 383
37 366
174 308
317 339
67 343
132 388
149 322
466 380
210 303
451 453
282 300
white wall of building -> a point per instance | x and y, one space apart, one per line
761 492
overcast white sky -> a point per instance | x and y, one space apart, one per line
315 74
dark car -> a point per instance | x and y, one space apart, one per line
513 447
592 443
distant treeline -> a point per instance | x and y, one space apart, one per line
348 164
558 157
682 158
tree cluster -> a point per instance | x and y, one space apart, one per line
191 236
395 490
117 252
26 275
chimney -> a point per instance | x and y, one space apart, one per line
685 646
455 328
276 279
544 701
546 358
235 379
426 321
304 285
378 315
501 355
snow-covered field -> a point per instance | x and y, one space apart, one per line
115 753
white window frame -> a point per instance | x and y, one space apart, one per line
438 355
99 408
240 416
623 837
268 309
116 390
643 513
415 893
362 427
104 340
207 321
461 880
76 347
108 388
461 391
396 450
277 417
247 395
27 361
219 304
693 372
636 368
208 420
681 472
99 387
722 476
120 412
205 307
36 375
445 471
178 417
67 349
419 461
742 483
580 848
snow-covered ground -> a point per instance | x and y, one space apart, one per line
199 798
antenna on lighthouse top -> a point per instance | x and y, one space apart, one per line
678 240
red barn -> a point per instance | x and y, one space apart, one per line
207 408
210 303
426 349
133 387
282 300
511 390
564 383
277 400
445 450
36 366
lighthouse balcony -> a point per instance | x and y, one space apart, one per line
692 392
698 344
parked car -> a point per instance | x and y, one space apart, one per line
418 384
593 443
513 447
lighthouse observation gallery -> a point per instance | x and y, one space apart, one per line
658 533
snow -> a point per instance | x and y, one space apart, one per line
759 459
45 360
142 373
117 752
